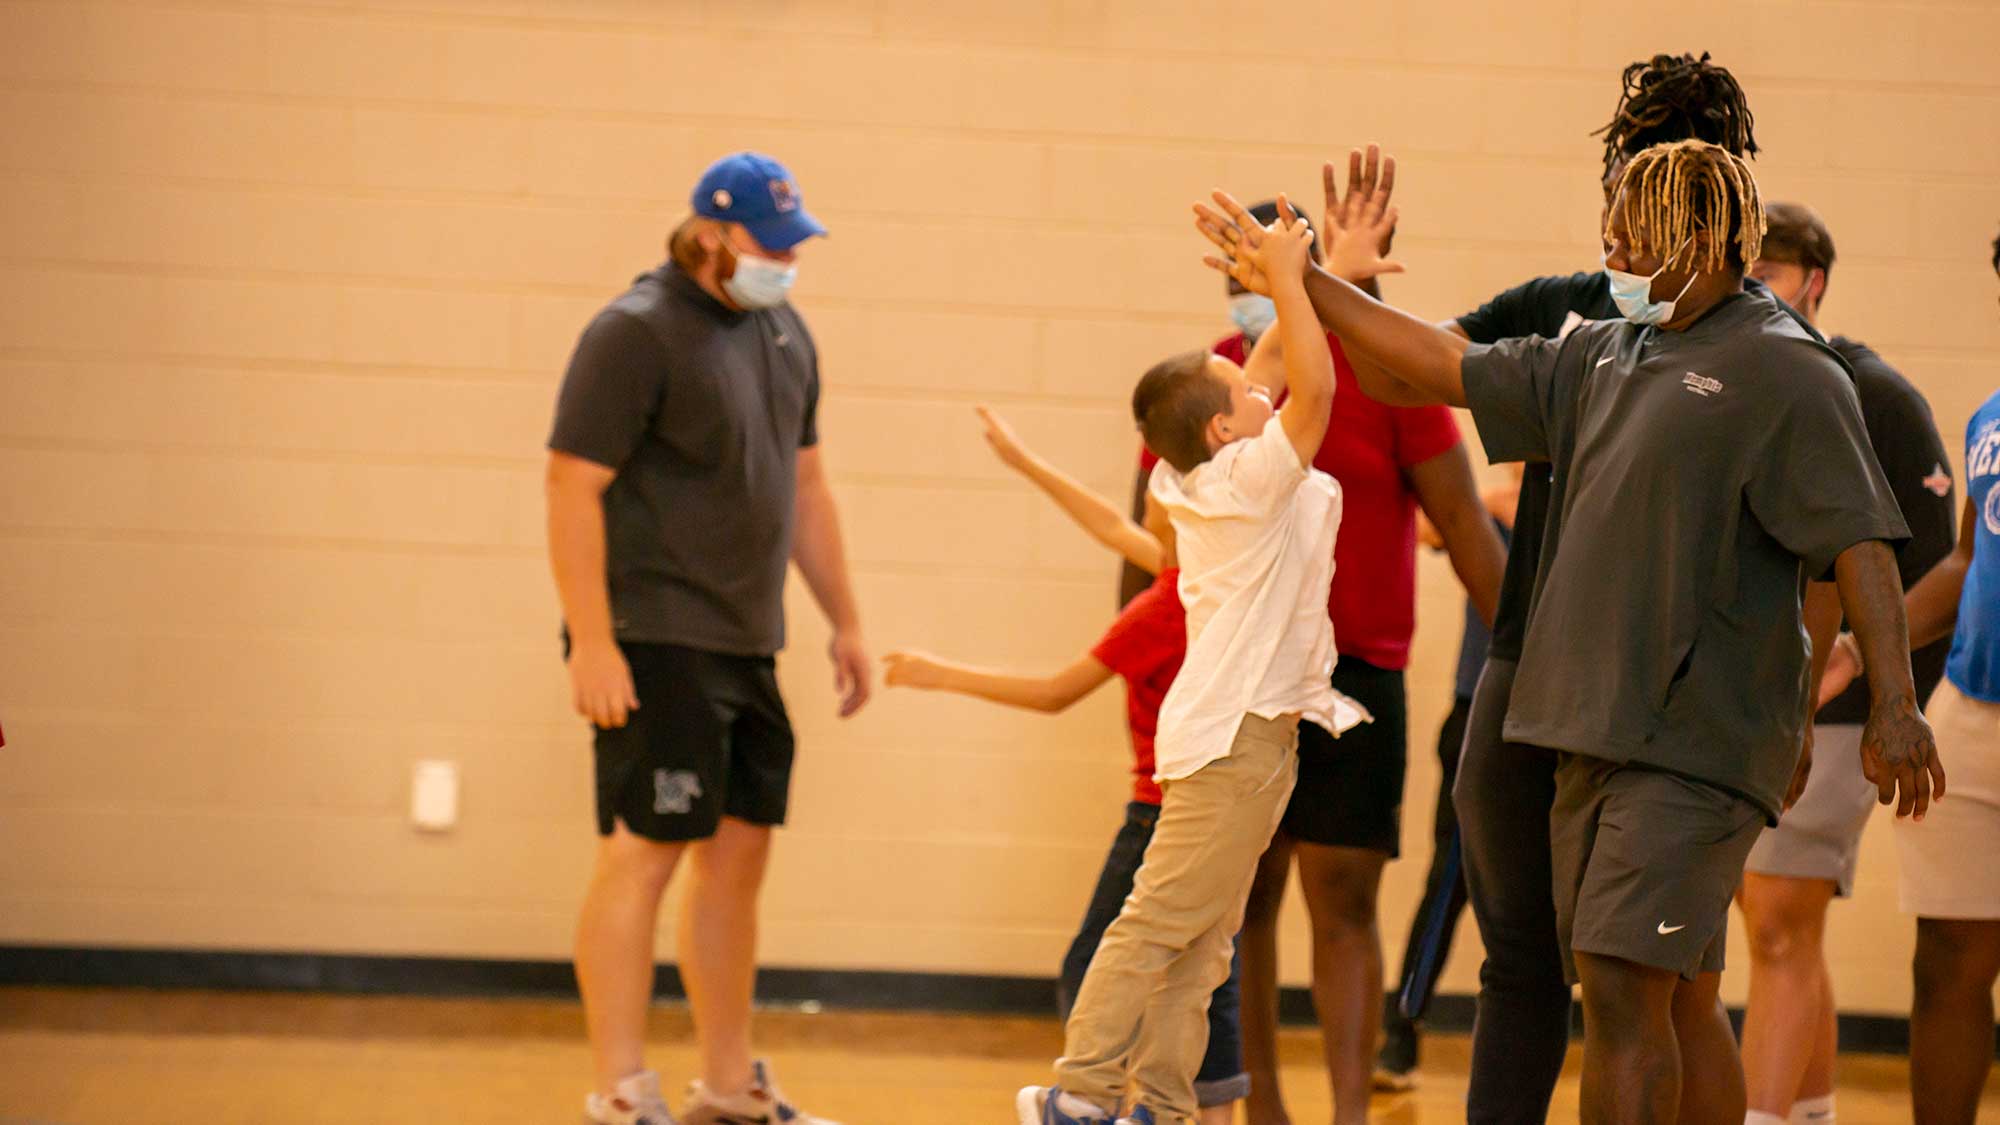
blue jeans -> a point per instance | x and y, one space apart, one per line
1222 1078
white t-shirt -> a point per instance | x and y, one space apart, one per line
1255 531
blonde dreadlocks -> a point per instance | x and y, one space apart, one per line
1675 191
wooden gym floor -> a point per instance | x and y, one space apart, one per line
83 1056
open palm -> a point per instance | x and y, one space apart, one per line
1360 224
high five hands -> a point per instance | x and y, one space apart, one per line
1358 227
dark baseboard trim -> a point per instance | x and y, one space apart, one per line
830 988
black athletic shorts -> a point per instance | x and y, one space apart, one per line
710 739
1350 790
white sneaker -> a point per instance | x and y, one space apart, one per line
762 1104
636 1102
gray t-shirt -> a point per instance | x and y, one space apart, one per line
702 411
1699 477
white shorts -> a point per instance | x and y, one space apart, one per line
1820 837
1947 860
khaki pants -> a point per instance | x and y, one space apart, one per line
1143 1008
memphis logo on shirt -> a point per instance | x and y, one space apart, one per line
1703 385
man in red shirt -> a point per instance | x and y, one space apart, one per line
1344 820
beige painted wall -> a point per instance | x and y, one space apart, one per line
287 288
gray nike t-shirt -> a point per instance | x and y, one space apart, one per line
1700 477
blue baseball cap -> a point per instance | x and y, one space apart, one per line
756 191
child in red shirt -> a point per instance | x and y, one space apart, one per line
1144 647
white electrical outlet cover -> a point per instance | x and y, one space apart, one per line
434 796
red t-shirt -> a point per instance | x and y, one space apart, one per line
1367 447
1145 647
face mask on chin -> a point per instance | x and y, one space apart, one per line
758 282
1633 294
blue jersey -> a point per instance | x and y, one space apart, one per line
1974 665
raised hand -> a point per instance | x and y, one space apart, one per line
1284 253
1000 436
1899 754
1235 232
1360 225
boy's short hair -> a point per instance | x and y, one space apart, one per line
1794 233
1173 404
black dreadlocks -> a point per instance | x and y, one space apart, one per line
1677 98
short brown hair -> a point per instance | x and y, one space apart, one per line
1173 405
1794 233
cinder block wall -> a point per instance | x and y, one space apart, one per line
288 287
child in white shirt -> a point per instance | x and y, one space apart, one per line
1255 524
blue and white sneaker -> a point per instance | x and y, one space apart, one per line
1140 1115
1042 1105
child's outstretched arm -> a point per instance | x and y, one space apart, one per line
1048 694
1098 517
1283 255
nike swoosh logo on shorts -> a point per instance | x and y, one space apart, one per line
1666 929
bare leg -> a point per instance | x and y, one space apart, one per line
1711 1072
1224 1114
718 948
1790 1018
1259 947
614 949
1340 886
1631 1060
1951 1021
1818 1079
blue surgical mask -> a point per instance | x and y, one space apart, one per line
1633 295
760 283
1252 313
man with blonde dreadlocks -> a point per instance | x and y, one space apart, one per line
1708 457
1504 789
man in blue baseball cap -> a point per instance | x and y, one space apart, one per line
684 475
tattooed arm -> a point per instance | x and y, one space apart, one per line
1898 752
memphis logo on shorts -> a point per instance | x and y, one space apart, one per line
674 791
1702 385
